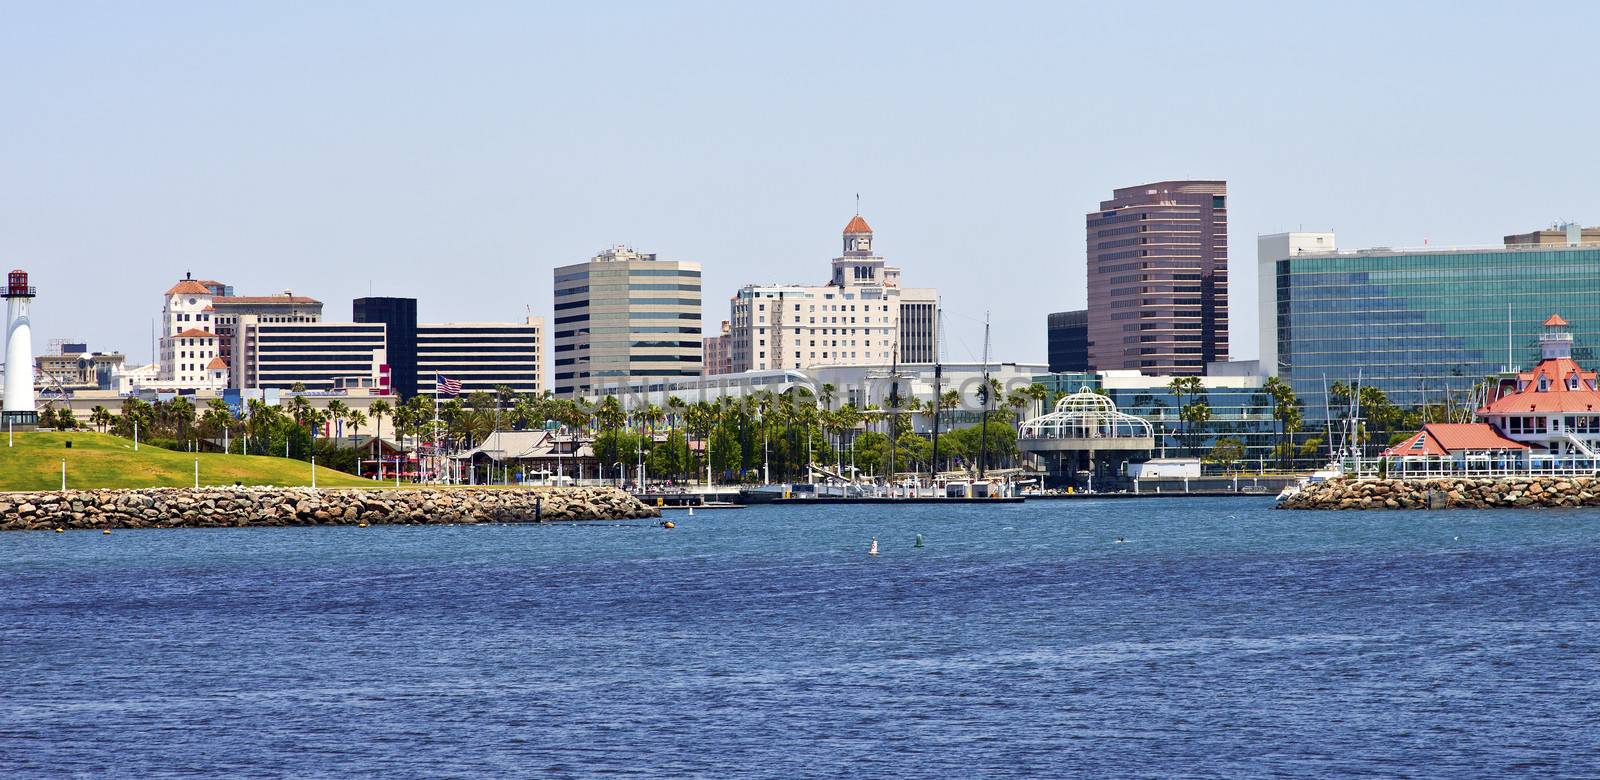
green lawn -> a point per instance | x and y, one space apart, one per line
97 460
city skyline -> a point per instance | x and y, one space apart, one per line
344 165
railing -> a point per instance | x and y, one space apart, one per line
1435 468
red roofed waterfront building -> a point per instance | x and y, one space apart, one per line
1452 439
1556 405
1550 413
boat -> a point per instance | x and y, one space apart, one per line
1330 471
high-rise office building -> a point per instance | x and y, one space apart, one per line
318 355
1269 250
1419 323
399 317
861 317
622 316
482 356
1158 278
1067 340
282 307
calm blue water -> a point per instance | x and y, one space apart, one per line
1221 639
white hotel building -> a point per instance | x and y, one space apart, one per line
861 317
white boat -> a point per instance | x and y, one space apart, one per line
1330 471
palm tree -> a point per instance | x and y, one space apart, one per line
216 419
338 412
826 394
378 410
609 416
100 418
182 415
1178 387
1285 411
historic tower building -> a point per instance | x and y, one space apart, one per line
861 317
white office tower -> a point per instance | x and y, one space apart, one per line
19 409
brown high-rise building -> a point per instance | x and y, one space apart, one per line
1158 278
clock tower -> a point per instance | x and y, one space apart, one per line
857 238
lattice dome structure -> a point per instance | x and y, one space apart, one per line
1085 420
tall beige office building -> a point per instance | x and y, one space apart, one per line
623 317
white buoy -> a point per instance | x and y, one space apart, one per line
691 511
873 550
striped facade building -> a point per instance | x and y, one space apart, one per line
482 356
318 355
622 317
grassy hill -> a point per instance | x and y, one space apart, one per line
98 460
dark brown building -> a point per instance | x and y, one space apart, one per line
1563 234
1158 278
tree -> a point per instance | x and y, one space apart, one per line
826 394
1226 452
1194 415
378 410
338 412
1179 386
609 416
356 420
726 452
670 458
1286 413
217 419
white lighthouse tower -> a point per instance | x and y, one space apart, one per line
18 409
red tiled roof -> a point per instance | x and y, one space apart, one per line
1448 438
857 225
188 287
1555 321
209 308
216 363
266 299
1557 395
196 333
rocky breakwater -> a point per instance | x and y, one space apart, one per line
251 506
1447 493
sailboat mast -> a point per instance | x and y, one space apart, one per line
938 401
988 396
894 406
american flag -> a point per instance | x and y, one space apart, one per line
447 386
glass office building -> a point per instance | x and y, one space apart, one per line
1416 323
1240 409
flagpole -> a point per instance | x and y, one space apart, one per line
436 427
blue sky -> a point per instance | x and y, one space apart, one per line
457 152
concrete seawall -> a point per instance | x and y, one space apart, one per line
1447 493
242 506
